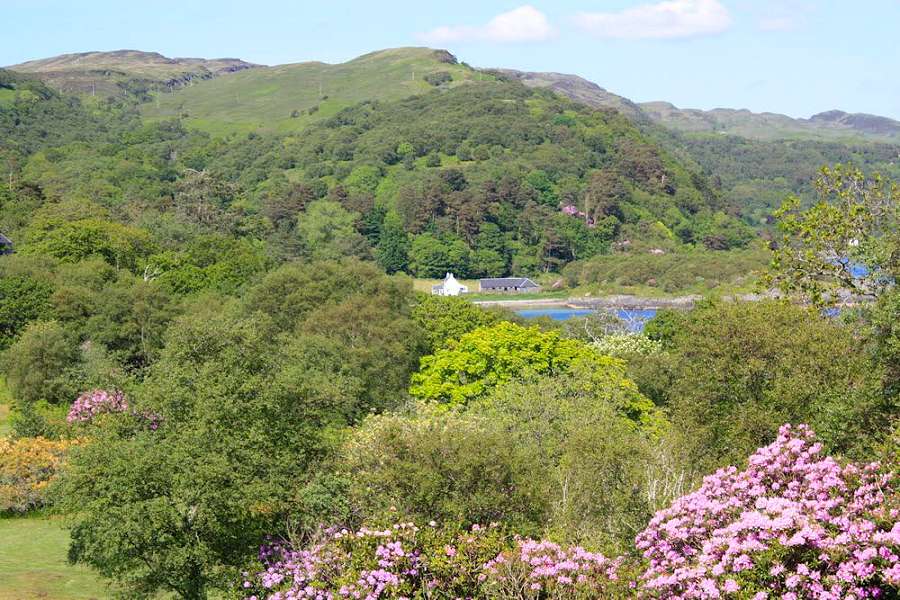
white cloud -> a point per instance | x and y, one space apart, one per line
523 24
662 20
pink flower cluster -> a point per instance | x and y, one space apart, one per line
543 568
573 211
95 402
794 524
90 404
365 564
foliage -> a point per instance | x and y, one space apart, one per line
449 467
245 418
122 246
593 439
447 318
27 466
393 245
885 325
847 242
743 368
668 273
571 454
22 299
130 319
328 231
794 522
756 175
469 367
37 366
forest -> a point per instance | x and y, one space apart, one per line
223 380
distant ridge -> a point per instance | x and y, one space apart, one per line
120 71
833 124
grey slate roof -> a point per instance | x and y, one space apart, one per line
5 241
507 282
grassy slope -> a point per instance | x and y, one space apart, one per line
263 99
33 563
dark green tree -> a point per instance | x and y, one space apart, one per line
393 245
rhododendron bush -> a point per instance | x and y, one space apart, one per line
95 402
794 524
405 561
394 562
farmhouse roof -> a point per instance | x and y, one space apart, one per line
513 282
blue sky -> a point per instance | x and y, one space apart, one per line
797 57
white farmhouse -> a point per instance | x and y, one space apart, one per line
449 287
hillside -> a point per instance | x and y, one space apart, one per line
120 72
577 88
289 97
755 159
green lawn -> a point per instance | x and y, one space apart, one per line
33 563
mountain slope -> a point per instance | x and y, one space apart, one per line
121 71
289 97
577 88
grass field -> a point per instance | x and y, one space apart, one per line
33 563
264 99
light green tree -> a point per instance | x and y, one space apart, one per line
849 241
328 231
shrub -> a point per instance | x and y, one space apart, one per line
27 466
438 78
402 561
446 466
405 561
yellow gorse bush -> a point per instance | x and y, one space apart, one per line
27 466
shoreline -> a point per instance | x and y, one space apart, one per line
616 301
629 302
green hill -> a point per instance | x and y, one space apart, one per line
289 97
